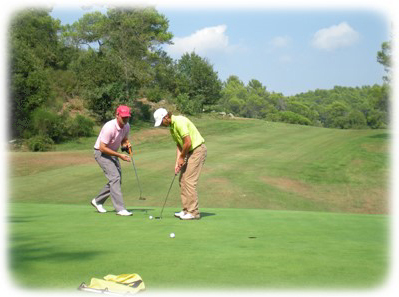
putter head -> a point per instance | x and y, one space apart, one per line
158 218
142 198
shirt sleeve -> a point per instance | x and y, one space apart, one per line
106 135
183 129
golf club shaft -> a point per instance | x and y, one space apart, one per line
137 176
167 195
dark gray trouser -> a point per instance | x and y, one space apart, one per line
112 169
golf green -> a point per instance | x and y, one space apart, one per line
60 246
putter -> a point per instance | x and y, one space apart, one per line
160 216
137 177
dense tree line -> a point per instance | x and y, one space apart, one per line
340 107
115 58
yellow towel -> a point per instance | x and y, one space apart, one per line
123 283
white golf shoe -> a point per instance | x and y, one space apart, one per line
189 216
99 207
179 214
124 212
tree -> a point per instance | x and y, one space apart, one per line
253 106
87 32
99 82
357 120
301 109
126 58
376 119
384 58
164 82
196 78
256 87
33 51
233 95
336 115
133 36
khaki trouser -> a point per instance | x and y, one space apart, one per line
189 178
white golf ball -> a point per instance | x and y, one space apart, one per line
150 217
172 235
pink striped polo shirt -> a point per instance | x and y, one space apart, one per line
112 135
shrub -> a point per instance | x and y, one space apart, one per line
376 119
40 143
294 118
141 112
155 94
46 122
357 120
80 126
187 105
273 117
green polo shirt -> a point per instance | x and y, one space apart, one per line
180 127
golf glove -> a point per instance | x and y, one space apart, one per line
127 147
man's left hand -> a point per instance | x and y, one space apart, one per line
126 147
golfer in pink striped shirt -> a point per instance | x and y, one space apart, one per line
113 134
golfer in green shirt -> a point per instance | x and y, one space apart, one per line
190 157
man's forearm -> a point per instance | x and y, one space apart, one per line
178 152
186 147
106 150
185 150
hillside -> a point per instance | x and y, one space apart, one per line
250 164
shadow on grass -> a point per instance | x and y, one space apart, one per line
134 210
140 209
207 214
20 219
23 251
381 136
145 210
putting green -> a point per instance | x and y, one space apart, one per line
59 246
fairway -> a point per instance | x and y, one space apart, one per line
283 206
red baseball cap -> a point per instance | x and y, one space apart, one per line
123 111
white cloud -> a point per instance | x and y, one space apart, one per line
202 41
334 37
280 41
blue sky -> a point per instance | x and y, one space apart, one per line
288 50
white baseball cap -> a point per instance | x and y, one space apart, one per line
159 114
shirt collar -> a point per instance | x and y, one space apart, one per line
117 125
172 121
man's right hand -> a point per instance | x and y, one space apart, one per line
124 157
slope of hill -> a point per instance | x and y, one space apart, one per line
250 164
